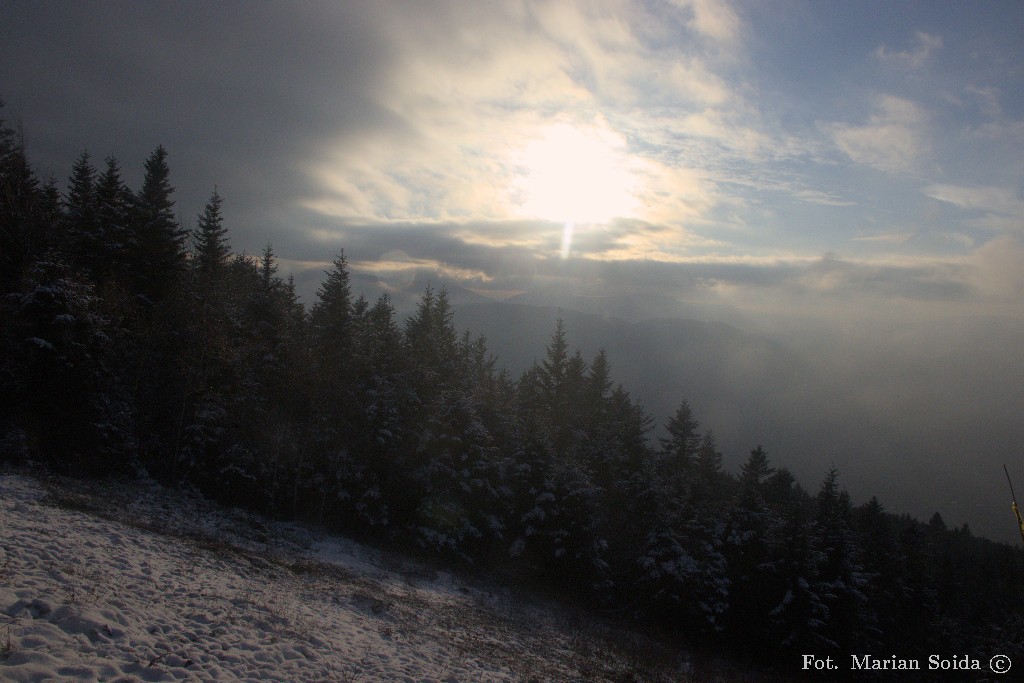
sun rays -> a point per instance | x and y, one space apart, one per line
577 176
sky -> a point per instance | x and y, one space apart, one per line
846 176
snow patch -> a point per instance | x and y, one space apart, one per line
133 582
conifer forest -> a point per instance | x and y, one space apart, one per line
131 344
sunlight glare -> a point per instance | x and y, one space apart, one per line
566 240
576 175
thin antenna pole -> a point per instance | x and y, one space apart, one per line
1016 511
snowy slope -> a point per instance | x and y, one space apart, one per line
136 583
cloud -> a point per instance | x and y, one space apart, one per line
447 148
925 45
931 281
998 200
381 113
893 140
239 96
892 238
397 263
713 19
487 255
1008 133
989 100
998 270
1002 210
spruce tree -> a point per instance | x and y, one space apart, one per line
114 203
752 570
709 462
562 378
268 267
681 446
554 370
51 212
59 384
444 339
840 578
7 141
83 227
431 345
211 244
479 364
161 253
799 612
24 232
331 317
336 412
887 587
755 470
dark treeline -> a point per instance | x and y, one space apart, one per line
130 344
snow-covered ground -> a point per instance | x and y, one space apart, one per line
137 583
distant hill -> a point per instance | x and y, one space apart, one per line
612 303
405 294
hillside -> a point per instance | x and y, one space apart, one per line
128 582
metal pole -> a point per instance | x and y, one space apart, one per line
1016 511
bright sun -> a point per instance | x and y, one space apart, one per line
576 176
